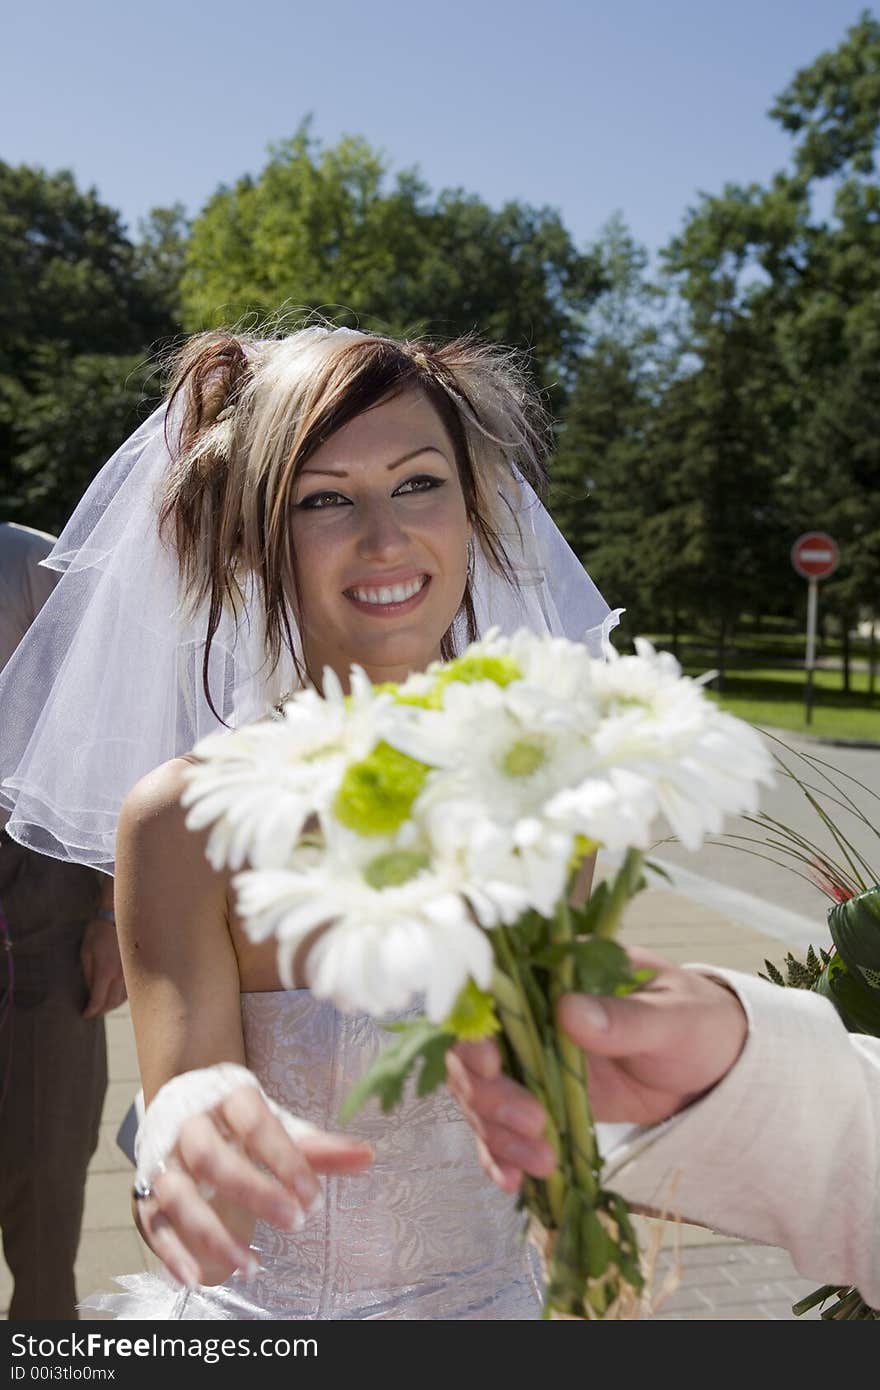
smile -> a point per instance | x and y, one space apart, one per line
387 598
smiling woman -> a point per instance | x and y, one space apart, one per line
383 559
302 504
424 445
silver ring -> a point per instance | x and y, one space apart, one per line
141 1191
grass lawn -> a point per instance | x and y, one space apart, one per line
775 697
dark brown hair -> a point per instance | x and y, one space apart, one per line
249 412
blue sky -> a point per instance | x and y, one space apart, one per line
587 107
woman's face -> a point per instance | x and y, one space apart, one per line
380 534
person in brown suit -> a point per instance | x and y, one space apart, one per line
59 974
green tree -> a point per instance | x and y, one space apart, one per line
161 253
79 317
68 273
74 414
328 229
832 107
782 323
602 428
829 330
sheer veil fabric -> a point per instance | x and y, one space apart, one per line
107 683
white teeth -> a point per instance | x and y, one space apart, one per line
395 593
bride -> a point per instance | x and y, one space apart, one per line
301 503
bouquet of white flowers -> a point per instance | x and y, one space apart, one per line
421 841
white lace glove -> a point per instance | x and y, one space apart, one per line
194 1093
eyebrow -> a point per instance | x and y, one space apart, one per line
413 453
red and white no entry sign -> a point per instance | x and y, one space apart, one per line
815 555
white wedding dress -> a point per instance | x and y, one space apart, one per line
422 1234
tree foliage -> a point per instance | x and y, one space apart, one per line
328 229
80 314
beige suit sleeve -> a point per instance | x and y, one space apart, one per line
785 1150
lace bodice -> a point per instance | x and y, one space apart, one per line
422 1234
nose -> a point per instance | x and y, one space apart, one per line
381 533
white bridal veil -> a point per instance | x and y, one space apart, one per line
107 683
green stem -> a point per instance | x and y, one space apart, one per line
814 1299
581 1130
845 1308
624 886
523 1039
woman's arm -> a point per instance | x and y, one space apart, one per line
178 955
183 982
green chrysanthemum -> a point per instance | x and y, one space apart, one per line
473 1016
377 794
501 670
432 699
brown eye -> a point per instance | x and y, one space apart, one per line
425 482
317 501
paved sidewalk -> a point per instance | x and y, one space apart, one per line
717 1278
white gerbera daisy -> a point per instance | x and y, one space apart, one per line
259 786
701 763
395 925
500 754
506 869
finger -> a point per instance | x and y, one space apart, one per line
98 995
118 993
483 1058
502 1100
168 1246
644 959
198 1228
336 1153
266 1141
618 1027
229 1173
534 1156
87 961
508 1179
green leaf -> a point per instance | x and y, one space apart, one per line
418 1040
528 932
433 1072
660 871
857 1004
855 931
584 920
601 966
773 975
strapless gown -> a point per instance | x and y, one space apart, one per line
422 1234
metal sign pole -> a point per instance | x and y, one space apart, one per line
814 556
810 659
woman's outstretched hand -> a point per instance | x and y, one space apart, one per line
231 1165
649 1054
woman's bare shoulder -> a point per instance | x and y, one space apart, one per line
159 790
161 865
152 807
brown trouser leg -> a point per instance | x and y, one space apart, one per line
53 1066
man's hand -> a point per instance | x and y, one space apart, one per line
102 967
649 1054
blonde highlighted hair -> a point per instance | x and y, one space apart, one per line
246 413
